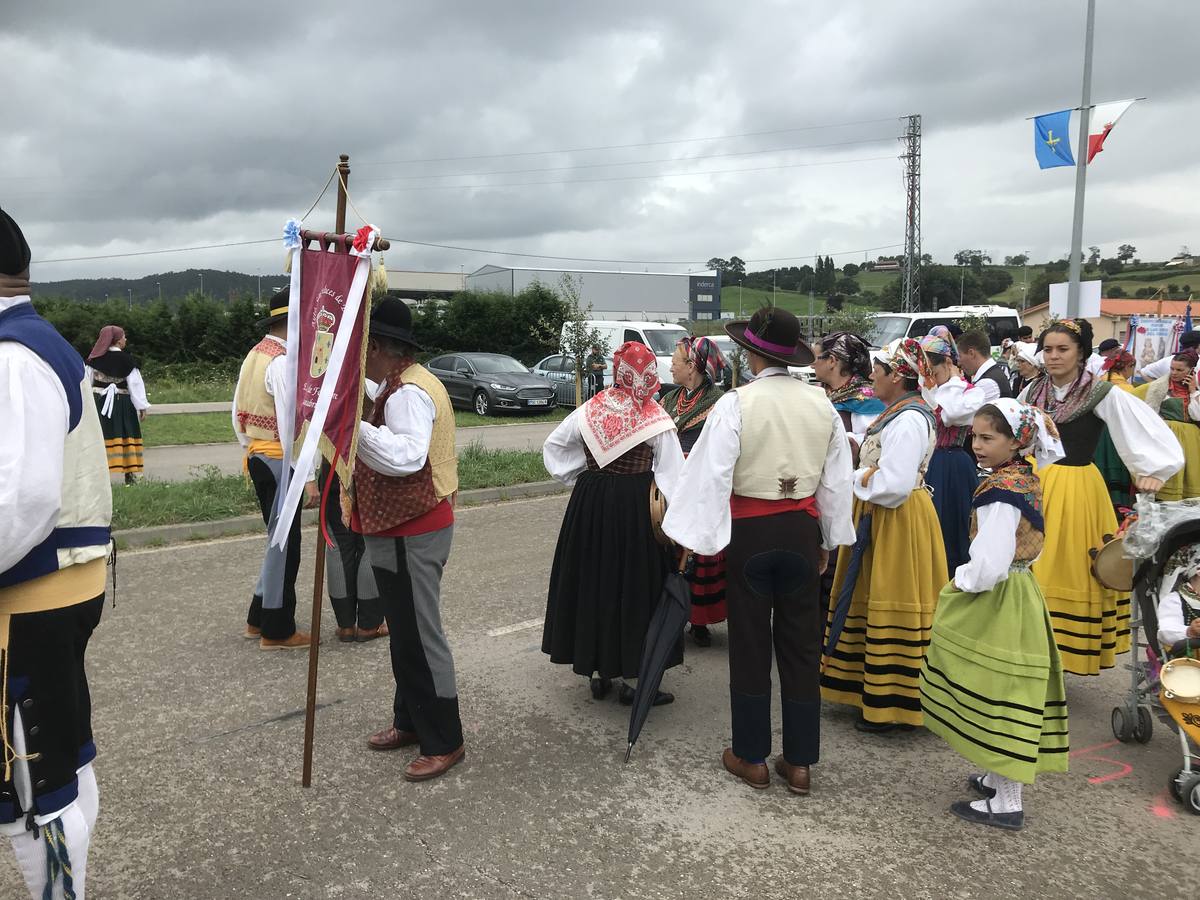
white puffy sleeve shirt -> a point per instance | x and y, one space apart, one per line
905 441
401 445
137 390
34 413
959 400
564 457
993 549
700 518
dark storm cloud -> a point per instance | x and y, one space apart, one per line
146 125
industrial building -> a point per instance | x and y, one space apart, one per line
647 296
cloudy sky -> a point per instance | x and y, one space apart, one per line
651 132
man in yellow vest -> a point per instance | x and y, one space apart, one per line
769 483
55 511
405 478
261 400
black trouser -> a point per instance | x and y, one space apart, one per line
48 684
348 607
276 624
408 571
772 569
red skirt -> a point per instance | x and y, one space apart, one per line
708 590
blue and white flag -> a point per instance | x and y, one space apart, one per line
1051 140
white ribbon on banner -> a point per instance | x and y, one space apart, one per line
316 426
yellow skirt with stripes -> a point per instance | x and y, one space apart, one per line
876 664
1091 622
1185 483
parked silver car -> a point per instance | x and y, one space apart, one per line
490 382
559 371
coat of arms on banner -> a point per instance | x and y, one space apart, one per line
322 343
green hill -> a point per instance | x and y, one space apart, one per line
168 285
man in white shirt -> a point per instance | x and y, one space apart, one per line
1189 340
769 480
1095 364
975 359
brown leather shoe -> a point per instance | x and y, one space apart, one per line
392 738
252 633
346 635
425 767
298 641
369 634
754 774
795 776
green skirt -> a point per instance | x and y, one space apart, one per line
992 683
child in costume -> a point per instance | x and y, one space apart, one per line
992 683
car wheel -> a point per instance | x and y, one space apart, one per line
483 404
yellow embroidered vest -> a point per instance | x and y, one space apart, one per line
443 459
255 407
786 425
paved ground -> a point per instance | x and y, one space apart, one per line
178 463
199 767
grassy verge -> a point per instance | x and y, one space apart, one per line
215 428
216 496
190 382
187 428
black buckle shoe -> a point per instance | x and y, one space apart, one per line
1010 821
601 688
977 784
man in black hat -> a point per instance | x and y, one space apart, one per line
261 401
1107 347
55 511
405 478
769 483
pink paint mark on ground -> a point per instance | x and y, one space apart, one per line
1161 806
1092 752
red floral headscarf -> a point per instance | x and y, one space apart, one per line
635 369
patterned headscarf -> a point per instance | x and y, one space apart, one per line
109 336
1122 360
905 357
850 349
940 341
1033 430
704 352
635 371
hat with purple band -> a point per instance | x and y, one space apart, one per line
773 333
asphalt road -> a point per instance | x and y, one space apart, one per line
200 735
183 461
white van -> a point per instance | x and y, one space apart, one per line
1002 322
660 337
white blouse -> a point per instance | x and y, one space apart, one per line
993 549
564 457
401 445
1171 629
700 517
904 443
1143 440
959 400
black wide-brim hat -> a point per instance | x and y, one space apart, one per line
277 309
392 318
772 333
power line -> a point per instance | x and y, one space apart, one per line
719 137
640 162
42 262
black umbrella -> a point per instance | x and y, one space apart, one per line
862 539
662 637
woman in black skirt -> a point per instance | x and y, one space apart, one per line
120 399
608 568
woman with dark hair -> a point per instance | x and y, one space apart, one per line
1170 397
121 400
696 367
844 367
952 473
875 662
1091 622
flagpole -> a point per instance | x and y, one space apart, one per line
1081 153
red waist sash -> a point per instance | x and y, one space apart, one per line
752 507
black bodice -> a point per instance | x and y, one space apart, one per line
1079 438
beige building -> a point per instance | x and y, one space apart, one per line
1113 321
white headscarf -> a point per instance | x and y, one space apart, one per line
1033 430
1186 562
1029 353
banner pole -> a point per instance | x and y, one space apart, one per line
314 639
1081 166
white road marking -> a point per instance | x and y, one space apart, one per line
519 626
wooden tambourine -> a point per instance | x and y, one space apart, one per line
658 512
1180 680
1110 566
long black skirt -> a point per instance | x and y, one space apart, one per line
607 577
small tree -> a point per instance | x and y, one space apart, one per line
577 338
1126 252
855 320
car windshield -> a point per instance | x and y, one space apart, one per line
885 329
663 340
497 365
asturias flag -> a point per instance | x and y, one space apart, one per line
1051 140
1052 133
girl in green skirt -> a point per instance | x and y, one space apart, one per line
992 683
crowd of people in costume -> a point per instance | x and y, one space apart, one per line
908 538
